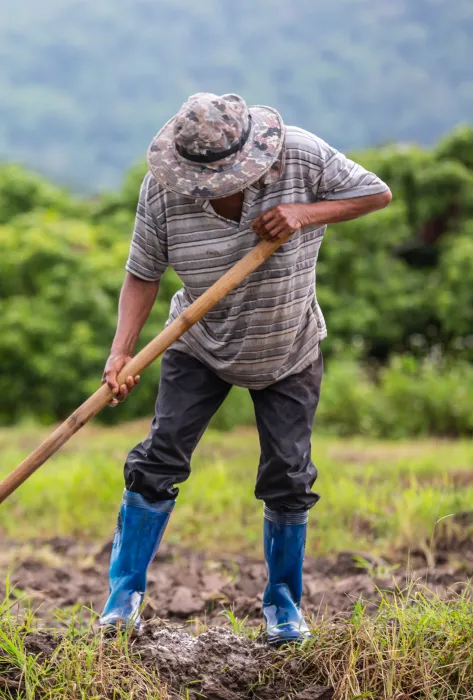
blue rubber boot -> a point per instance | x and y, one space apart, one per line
284 545
140 528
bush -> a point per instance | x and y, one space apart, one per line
409 397
59 285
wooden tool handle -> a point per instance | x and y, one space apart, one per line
231 279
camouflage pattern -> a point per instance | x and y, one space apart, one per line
209 123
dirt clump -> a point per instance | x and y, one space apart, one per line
215 665
218 663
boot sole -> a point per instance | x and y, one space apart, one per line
296 641
112 629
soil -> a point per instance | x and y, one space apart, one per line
188 592
183 585
215 665
62 573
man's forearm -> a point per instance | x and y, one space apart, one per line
136 301
288 218
335 211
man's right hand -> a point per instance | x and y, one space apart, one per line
115 363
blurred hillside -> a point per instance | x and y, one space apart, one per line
84 85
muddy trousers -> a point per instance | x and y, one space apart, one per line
189 395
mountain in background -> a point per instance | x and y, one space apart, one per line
85 84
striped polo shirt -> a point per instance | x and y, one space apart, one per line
271 325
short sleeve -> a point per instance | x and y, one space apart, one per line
342 178
148 251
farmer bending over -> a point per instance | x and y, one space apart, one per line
220 175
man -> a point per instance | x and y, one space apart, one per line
220 175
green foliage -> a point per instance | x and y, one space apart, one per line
400 342
21 192
85 85
458 146
57 308
410 397
454 289
59 284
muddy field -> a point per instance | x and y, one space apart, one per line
187 594
183 586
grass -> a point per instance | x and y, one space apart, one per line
414 646
376 496
74 664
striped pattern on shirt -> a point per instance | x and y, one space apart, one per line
271 325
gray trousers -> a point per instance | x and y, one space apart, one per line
189 395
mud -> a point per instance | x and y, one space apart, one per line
64 575
227 666
188 593
216 665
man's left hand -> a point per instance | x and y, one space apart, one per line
278 221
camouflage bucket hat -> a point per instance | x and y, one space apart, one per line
216 146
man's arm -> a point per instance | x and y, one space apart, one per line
287 218
136 301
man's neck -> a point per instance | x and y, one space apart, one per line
229 207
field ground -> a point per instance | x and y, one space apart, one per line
387 575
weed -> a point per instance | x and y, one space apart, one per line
241 628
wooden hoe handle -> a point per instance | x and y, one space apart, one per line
231 279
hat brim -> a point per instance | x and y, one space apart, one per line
224 177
